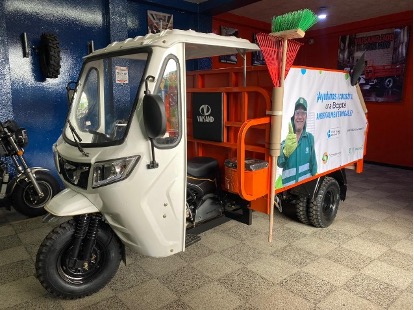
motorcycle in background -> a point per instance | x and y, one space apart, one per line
30 188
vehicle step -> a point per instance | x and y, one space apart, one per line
191 239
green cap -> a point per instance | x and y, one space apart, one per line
301 102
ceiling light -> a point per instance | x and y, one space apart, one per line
322 12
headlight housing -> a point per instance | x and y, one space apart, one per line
111 171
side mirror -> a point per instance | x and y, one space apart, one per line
70 91
358 69
155 120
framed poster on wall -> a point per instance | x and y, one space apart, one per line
158 21
385 59
228 31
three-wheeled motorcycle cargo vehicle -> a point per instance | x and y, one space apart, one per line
150 152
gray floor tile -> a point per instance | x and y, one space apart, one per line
277 297
161 266
10 241
308 286
113 303
216 265
6 230
147 296
16 270
20 291
218 241
330 271
213 296
392 275
177 305
128 277
397 259
365 247
101 295
13 255
295 256
315 245
379 238
245 283
349 258
403 302
272 269
184 280
242 254
404 246
342 299
377 292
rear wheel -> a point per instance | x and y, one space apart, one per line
389 82
63 278
302 206
323 208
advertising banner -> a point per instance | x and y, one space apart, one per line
323 124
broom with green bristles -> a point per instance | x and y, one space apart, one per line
279 52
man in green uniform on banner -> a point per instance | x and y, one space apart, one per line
297 158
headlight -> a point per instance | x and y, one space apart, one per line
111 171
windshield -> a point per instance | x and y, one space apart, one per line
106 97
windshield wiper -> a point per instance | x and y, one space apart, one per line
77 139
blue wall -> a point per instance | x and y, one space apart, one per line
39 104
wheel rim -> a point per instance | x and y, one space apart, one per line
388 83
84 274
32 199
329 204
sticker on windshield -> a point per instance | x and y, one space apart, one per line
121 75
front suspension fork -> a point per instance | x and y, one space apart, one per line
28 173
84 239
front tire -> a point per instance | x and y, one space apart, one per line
54 271
25 198
323 208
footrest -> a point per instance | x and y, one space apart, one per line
191 239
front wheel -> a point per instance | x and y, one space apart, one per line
25 198
324 206
55 266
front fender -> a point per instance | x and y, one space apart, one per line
70 203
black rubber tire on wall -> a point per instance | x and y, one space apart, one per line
323 208
49 51
302 206
59 278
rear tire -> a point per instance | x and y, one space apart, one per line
302 207
25 199
323 208
64 281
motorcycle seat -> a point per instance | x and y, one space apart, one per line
201 166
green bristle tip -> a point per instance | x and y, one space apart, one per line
302 19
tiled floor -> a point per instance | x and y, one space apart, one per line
364 260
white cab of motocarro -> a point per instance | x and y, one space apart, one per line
121 153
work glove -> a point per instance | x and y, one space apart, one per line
290 142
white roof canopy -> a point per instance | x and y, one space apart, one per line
197 44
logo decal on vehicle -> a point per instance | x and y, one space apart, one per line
205 111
